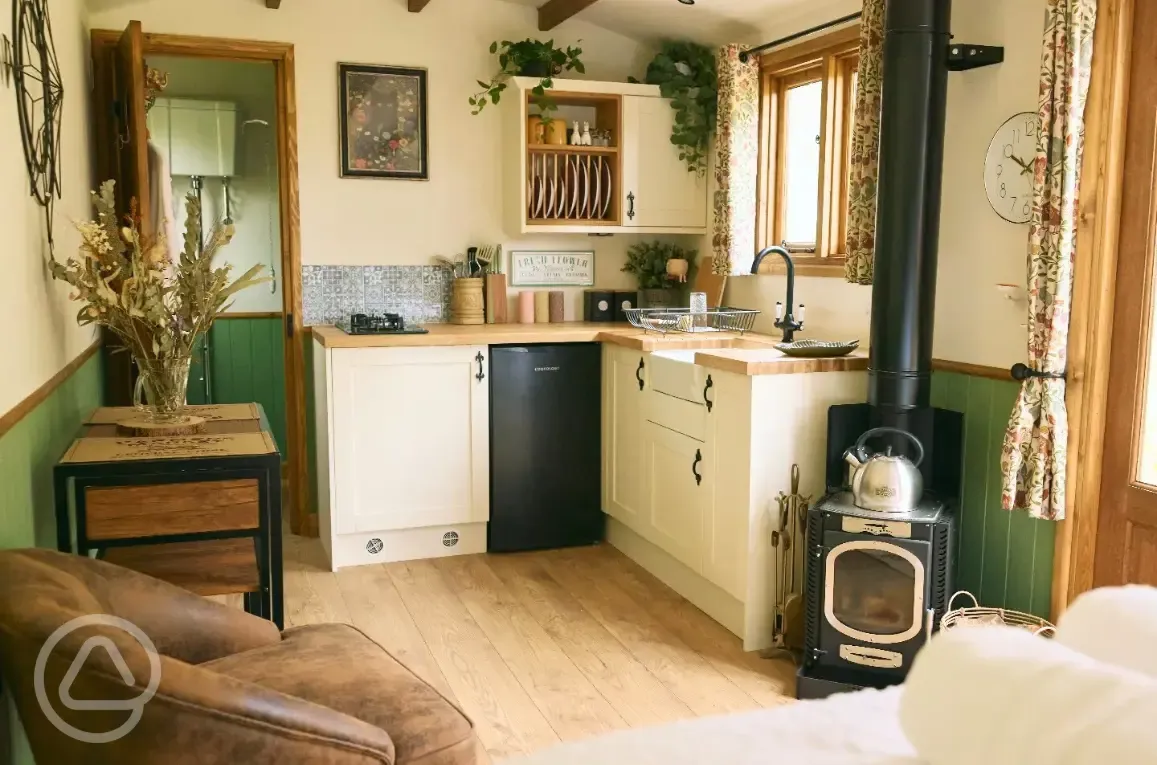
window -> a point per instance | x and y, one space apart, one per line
808 101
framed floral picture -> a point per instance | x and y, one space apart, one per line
383 122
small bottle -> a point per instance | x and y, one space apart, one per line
586 134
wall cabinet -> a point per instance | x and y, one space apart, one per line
198 137
636 184
407 449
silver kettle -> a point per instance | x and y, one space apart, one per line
882 482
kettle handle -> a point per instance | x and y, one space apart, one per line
859 447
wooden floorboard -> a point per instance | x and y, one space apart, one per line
540 647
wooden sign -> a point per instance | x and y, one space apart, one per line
169 447
552 269
212 412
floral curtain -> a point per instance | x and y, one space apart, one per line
736 160
1034 456
864 160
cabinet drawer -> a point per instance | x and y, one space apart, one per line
675 373
677 415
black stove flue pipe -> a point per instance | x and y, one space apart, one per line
915 84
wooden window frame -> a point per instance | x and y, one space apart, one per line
831 59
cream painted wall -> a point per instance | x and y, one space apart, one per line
978 248
43 336
974 322
364 222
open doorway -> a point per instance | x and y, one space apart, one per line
227 124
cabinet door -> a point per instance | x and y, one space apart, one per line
679 489
203 136
658 189
625 373
410 437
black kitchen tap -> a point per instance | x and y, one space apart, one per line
789 324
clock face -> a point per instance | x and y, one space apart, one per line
1008 168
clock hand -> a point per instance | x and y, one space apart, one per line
1025 167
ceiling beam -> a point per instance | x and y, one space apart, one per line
274 4
416 6
557 11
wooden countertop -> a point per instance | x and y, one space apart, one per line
749 354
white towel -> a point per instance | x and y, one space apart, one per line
1001 696
1116 625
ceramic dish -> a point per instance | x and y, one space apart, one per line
817 349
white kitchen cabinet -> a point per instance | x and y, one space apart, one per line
678 488
658 189
407 452
624 390
636 185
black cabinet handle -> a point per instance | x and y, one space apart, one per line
481 375
707 388
695 464
639 373
631 205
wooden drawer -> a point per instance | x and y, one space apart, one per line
674 373
677 415
118 512
209 567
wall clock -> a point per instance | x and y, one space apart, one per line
1008 168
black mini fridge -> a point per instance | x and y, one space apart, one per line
545 449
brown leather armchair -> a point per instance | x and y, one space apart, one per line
232 688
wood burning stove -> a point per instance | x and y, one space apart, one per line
877 586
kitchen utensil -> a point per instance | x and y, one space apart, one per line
556 132
817 349
472 268
541 308
885 483
712 284
496 303
787 541
556 301
466 305
608 189
526 307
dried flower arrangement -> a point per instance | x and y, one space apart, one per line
157 308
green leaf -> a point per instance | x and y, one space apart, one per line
495 96
579 67
493 47
483 85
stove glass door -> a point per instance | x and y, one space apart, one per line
874 592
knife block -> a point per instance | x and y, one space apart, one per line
466 305
496 298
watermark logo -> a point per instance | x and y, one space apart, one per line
136 706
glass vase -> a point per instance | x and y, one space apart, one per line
160 390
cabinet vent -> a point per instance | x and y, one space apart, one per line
374 546
450 538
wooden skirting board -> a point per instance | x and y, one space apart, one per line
41 394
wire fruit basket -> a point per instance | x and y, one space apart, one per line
664 320
977 615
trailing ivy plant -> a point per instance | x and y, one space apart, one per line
528 58
685 73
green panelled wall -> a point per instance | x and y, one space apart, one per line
246 363
1005 559
30 449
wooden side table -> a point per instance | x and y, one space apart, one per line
201 511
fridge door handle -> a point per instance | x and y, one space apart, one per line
639 373
481 375
694 465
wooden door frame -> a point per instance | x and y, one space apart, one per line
1094 294
281 55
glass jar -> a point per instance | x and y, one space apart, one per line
159 394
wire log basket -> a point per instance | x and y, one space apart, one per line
977 615
664 320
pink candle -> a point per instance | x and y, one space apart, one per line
526 307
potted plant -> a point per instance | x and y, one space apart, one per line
686 73
156 307
648 262
528 58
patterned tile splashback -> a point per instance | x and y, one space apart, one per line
331 293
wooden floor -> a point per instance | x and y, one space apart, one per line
540 647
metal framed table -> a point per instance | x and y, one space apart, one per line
202 511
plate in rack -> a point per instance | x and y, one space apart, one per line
609 188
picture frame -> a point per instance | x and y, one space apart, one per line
552 268
382 112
